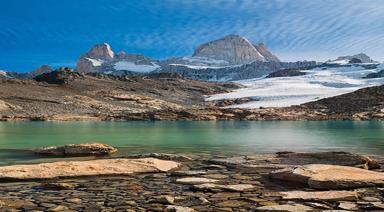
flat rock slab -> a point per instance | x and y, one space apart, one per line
235 187
291 159
86 168
322 176
320 195
286 207
195 180
188 173
87 149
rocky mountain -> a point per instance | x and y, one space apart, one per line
102 59
235 49
228 54
263 50
358 58
379 74
27 75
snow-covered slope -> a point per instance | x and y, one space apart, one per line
318 83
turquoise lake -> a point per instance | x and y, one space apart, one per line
221 137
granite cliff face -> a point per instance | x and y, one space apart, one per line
264 51
232 48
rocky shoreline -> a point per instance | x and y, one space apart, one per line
212 183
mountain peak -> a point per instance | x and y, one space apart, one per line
41 70
235 49
357 58
101 51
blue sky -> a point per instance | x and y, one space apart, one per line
57 32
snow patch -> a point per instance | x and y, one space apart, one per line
205 61
197 66
130 66
95 62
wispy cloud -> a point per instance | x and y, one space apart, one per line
293 29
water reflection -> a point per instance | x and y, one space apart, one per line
237 137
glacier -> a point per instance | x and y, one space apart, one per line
318 83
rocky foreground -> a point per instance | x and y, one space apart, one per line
64 95
285 181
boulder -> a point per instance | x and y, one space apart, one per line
321 176
87 149
85 168
319 195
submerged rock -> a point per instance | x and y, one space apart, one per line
322 176
162 156
86 168
87 149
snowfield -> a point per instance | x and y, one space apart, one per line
286 91
130 66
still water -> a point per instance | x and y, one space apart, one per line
222 137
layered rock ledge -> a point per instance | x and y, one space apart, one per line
66 169
320 176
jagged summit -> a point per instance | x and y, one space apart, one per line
232 48
101 58
101 51
235 49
